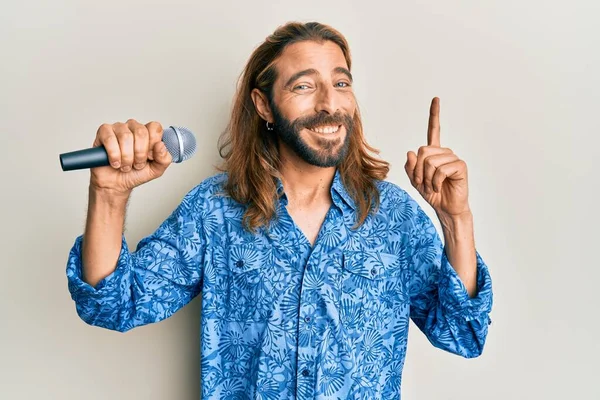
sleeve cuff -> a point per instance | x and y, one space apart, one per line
453 294
80 289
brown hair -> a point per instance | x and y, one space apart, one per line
250 151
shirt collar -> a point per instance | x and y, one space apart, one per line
280 192
338 188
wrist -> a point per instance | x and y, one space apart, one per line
457 228
455 219
107 196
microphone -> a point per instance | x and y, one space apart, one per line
179 141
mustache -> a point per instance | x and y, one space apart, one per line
323 119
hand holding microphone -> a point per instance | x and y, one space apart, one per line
126 155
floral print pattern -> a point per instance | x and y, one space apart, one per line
282 319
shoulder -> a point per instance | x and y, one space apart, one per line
397 202
209 189
210 196
392 193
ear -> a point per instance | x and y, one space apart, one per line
261 104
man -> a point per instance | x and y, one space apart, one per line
308 263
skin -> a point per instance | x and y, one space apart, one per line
440 177
328 91
137 156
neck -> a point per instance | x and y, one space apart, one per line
305 184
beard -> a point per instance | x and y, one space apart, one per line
330 152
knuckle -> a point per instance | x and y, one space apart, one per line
127 154
429 164
154 125
155 130
104 127
104 131
140 131
124 135
126 160
114 157
108 139
140 157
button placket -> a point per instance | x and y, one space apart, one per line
306 316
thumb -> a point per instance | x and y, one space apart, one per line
409 166
162 159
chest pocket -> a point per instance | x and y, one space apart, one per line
249 295
373 285
370 264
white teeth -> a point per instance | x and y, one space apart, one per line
325 129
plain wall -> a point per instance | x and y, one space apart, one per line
519 89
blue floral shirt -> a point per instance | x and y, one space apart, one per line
282 319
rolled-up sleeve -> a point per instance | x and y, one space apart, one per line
150 284
440 304
454 296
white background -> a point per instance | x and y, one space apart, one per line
519 89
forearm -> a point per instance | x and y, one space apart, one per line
103 234
460 248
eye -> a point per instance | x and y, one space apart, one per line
301 87
342 84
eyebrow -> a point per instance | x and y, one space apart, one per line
342 70
312 71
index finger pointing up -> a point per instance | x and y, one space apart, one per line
433 130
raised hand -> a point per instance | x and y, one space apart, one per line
437 173
136 154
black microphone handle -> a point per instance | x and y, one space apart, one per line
82 159
179 141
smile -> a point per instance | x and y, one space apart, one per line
325 128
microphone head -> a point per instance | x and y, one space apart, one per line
180 143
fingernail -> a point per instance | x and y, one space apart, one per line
126 169
116 164
139 166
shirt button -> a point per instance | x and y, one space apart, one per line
239 263
308 267
305 372
373 272
307 319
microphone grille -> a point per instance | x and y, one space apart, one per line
180 142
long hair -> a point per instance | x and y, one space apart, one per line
250 151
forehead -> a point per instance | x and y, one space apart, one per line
323 56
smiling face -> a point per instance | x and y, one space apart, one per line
312 103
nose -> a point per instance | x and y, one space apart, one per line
326 100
